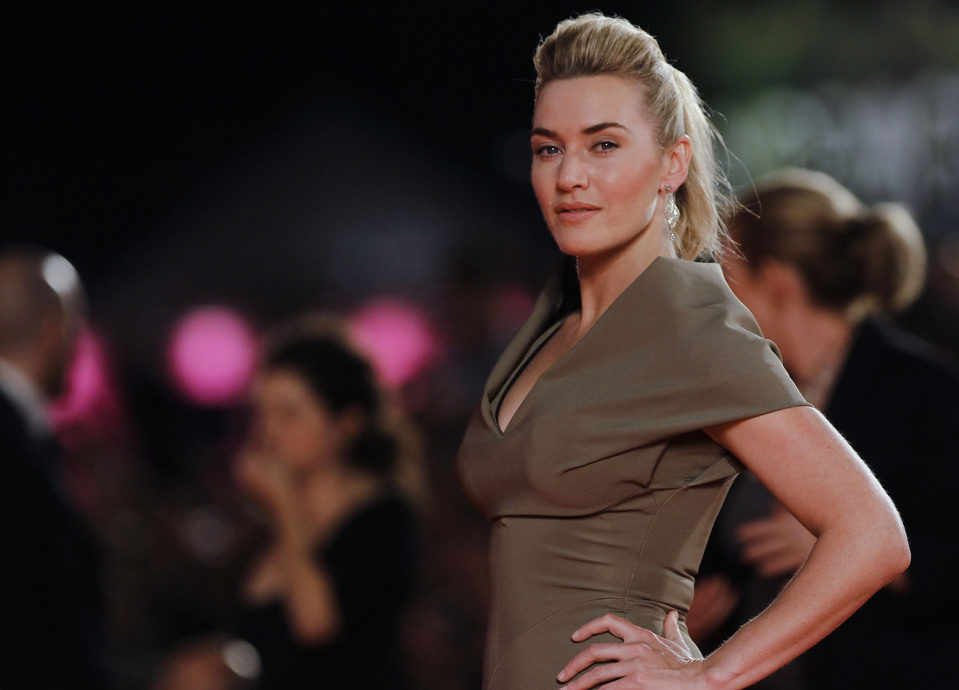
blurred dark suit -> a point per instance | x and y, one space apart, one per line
49 591
897 403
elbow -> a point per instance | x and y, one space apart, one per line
900 556
894 554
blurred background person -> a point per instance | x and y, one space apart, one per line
180 170
51 597
823 273
323 601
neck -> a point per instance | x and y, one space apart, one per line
815 352
604 277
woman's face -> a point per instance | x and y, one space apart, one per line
293 425
597 168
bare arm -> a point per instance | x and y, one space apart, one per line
310 601
308 592
860 546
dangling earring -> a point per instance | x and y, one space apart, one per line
671 212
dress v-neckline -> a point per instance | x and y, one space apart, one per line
495 402
518 370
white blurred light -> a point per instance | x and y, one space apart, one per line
242 658
60 274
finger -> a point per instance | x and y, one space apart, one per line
621 684
757 529
593 677
705 616
671 629
596 653
757 552
616 625
720 604
780 564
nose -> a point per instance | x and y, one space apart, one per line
573 173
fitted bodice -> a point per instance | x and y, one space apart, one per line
603 488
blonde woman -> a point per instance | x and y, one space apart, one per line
612 425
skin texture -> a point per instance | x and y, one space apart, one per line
775 545
294 426
597 169
813 340
601 189
39 321
860 546
295 467
616 176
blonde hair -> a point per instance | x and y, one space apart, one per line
854 259
594 44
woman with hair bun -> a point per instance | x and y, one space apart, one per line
611 427
822 272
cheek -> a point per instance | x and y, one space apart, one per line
633 190
293 438
543 185
317 437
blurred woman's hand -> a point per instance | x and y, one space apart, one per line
775 545
713 602
264 479
198 664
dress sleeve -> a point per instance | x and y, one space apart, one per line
709 362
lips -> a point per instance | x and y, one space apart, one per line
572 211
574 206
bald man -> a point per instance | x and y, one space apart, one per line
49 593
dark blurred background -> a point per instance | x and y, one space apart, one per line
252 161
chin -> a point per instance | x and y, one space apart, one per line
583 249
578 246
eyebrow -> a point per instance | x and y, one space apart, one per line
592 129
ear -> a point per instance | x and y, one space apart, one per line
677 159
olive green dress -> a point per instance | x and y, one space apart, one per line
603 488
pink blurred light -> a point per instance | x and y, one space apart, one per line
396 336
88 382
211 355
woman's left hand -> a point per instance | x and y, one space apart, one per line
642 660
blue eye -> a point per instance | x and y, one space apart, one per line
607 145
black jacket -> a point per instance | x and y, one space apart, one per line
49 593
897 403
